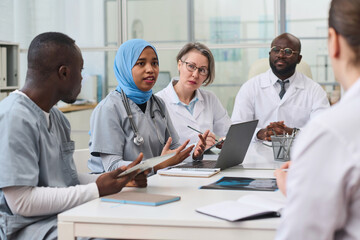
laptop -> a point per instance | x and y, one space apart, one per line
233 150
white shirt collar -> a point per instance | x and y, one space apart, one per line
352 92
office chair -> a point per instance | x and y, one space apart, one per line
162 81
262 65
81 157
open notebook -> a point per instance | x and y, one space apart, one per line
245 208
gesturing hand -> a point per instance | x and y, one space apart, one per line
210 140
180 155
200 147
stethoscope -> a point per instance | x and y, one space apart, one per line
138 139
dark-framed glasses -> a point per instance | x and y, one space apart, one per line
192 68
288 52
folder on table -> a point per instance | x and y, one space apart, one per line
140 198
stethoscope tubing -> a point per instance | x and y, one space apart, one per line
138 139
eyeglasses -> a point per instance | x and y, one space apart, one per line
288 52
192 68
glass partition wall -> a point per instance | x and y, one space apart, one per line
237 31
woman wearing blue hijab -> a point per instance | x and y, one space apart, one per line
131 120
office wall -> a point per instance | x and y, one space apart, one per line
238 31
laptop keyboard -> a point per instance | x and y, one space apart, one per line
198 164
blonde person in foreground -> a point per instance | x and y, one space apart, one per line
323 181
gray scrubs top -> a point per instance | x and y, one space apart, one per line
111 132
32 155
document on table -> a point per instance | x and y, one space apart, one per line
189 172
243 183
245 208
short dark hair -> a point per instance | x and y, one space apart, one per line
289 36
47 51
344 17
204 50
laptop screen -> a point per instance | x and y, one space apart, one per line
236 144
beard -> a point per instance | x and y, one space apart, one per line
71 98
287 71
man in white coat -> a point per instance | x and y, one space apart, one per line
281 98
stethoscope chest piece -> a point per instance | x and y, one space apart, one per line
138 140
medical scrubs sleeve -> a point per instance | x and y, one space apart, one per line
32 155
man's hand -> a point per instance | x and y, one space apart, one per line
200 147
139 181
278 128
180 155
109 183
264 134
281 176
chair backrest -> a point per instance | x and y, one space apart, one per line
262 65
81 157
162 81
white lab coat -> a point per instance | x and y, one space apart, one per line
259 99
323 184
208 114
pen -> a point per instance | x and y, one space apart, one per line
199 131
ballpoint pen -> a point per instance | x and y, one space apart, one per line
199 132
291 140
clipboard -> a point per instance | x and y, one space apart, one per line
149 163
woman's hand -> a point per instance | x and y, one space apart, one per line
210 140
222 142
180 155
281 176
200 147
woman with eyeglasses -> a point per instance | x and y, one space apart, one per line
131 120
190 107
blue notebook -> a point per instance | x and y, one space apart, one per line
140 198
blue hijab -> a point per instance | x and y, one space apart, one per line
125 59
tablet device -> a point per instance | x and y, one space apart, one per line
149 163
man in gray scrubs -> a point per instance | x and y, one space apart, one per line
38 178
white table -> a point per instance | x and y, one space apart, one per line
177 220
258 157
